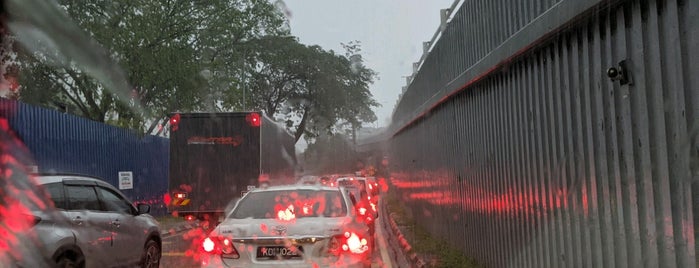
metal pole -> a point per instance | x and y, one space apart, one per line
245 80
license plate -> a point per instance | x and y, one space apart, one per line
274 252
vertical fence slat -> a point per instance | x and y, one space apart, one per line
555 164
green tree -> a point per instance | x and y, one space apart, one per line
311 89
176 55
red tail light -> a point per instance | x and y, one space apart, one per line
209 245
220 245
189 217
254 119
175 122
354 243
348 242
362 211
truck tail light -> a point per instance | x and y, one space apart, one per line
175 122
254 119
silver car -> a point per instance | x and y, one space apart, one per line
92 225
289 226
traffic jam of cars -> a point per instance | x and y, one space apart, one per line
322 221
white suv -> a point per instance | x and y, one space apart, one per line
93 225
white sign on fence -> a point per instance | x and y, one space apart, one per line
33 169
125 180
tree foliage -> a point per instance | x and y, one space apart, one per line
180 55
313 90
175 54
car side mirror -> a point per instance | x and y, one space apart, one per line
143 208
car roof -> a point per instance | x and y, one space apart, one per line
352 178
295 187
53 178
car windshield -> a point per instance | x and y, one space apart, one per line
290 204
360 184
507 133
356 185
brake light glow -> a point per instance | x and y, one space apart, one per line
208 245
175 122
220 245
228 248
189 217
355 244
254 119
362 211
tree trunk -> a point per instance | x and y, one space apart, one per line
270 110
354 135
302 126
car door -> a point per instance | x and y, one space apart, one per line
92 230
128 234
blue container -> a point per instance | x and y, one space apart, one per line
65 143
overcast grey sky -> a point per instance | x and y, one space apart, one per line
391 33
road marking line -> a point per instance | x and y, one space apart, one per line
174 254
382 246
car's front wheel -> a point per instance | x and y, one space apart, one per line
151 255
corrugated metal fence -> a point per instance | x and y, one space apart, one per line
65 143
519 149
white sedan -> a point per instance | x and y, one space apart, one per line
290 226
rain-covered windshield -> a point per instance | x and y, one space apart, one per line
508 133
294 204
